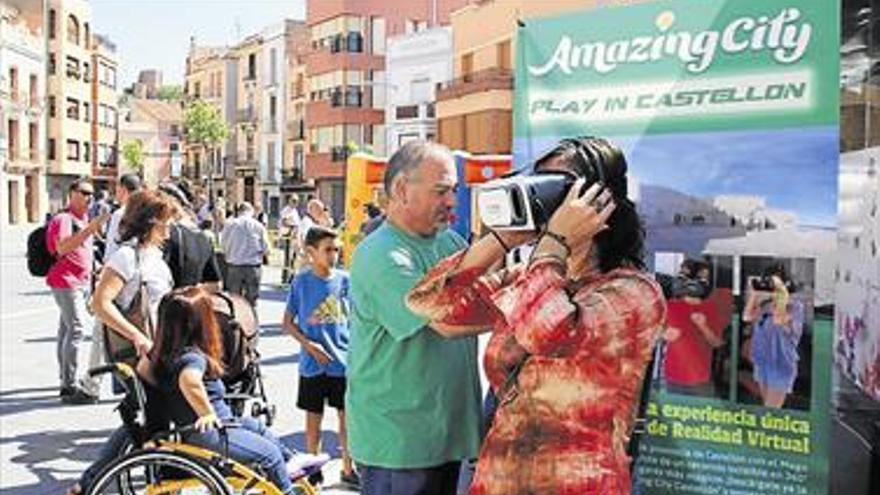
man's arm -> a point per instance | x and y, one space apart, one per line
68 243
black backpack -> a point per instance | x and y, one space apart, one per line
39 259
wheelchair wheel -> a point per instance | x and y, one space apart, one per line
154 472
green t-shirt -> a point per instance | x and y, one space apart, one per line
413 398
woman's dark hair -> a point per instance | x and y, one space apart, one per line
623 243
131 182
777 268
186 321
146 210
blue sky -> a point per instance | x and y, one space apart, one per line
794 169
155 33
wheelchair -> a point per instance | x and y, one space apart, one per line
162 464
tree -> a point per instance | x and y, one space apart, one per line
171 92
133 153
204 126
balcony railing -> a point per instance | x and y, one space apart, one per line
247 115
338 154
297 129
484 80
351 97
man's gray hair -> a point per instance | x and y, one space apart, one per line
409 157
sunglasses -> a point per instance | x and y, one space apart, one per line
85 193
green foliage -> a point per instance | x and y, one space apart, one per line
171 92
133 153
204 125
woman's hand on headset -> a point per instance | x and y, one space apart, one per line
580 217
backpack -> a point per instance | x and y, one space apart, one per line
39 259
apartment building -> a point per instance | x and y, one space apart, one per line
347 80
292 178
276 40
416 63
211 76
22 107
249 80
475 109
69 103
104 149
158 125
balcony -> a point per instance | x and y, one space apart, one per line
351 97
246 116
484 80
338 154
297 130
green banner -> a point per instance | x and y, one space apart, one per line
727 112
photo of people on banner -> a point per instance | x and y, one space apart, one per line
774 344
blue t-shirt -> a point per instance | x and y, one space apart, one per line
180 411
321 308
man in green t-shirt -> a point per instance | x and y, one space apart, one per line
413 398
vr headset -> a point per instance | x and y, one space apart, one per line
526 200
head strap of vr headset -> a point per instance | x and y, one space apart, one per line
592 162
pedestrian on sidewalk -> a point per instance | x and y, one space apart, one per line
139 259
413 398
69 236
189 253
244 244
127 185
317 314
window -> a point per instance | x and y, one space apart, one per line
34 90
87 40
72 67
86 112
273 66
252 66
270 155
13 83
51 105
87 152
33 141
52 24
87 76
72 30
103 155
467 66
407 112
51 64
273 114
72 150
502 53
50 149
12 134
197 89
72 109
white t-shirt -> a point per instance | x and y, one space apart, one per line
289 218
153 269
113 232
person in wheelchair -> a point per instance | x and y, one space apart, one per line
187 367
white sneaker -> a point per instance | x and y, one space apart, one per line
301 462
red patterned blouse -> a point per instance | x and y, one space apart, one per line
563 428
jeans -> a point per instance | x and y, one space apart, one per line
244 280
111 451
92 384
72 304
251 443
437 480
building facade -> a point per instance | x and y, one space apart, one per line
293 180
347 80
416 64
475 109
211 76
158 125
104 149
23 197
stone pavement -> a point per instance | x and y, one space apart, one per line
44 445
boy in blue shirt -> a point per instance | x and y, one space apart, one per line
317 313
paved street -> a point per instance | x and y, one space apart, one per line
44 445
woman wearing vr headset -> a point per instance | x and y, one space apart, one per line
573 331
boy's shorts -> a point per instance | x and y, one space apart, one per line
314 391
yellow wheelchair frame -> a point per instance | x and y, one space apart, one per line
218 473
